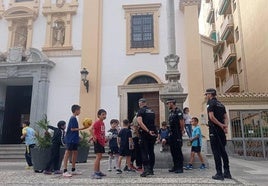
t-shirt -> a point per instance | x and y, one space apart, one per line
163 133
174 122
72 136
148 117
198 141
187 119
113 140
124 135
213 105
99 132
30 135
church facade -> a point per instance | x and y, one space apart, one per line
121 45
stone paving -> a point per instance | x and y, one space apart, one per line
13 173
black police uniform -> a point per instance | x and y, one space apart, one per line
146 140
218 137
175 139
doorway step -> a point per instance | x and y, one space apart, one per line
12 152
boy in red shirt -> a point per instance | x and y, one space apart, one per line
97 131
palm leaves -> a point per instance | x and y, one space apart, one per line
43 136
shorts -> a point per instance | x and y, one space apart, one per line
196 149
125 152
113 150
72 146
98 148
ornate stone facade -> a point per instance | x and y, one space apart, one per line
31 64
184 3
20 17
59 24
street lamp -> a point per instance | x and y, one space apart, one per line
84 74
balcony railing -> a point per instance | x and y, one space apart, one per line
228 55
224 7
232 84
210 17
226 26
212 28
218 64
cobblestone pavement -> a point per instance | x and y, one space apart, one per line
244 173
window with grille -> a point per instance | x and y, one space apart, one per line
142 35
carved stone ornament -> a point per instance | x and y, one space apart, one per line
60 3
172 62
12 71
15 55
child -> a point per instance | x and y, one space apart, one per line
125 144
72 140
114 150
196 141
163 136
28 134
187 120
136 152
57 142
97 131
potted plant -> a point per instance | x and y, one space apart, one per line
42 151
83 148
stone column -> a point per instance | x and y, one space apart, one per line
171 27
39 95
172 88
68 34
29 33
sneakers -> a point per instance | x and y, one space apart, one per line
76 172
118 171
189 167
133 167
29 167
203 166
125 168
109 170
161 149
66 175
95 176
47 172
218 177
58 172
130 170
100 174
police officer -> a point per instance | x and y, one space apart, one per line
218 123
176 124
145 119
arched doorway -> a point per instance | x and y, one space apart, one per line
138 85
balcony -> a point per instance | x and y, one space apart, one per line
210 17
220 71
228 55
212 31
232 84
227 27
225 7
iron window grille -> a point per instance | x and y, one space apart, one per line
142 35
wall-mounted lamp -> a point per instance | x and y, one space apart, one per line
84 74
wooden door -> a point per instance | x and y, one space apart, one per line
153 102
